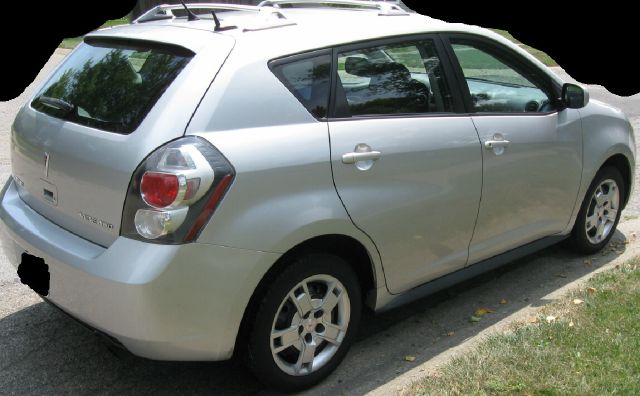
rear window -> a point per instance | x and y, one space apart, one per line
111 85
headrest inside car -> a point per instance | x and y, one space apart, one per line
361 67
393 70
357 66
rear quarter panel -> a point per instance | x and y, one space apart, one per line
283 193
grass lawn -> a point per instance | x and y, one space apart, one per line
542 57
71 42
585 344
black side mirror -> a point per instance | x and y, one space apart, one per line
574 96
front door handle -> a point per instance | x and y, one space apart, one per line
352 158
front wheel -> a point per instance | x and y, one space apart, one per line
600 212
305 323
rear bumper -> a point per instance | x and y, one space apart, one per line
165 302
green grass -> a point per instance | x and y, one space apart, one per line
72 42
540 55
592 348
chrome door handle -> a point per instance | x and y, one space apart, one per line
352 158
491 144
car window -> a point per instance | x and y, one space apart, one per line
495 86
308 80
110 86
403 78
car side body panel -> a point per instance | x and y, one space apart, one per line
419 201
603 126
283 192
530 186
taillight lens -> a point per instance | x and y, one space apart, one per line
159 189
174 192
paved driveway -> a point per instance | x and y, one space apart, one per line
44 352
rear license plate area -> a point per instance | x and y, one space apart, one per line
34 272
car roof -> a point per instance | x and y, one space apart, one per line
295 29
272 32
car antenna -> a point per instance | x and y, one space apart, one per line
219 28
190 15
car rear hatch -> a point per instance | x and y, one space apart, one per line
117 97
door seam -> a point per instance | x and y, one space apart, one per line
475 224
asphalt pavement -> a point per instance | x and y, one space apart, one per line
44 352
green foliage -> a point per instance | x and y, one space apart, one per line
72 42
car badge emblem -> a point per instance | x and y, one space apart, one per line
46 164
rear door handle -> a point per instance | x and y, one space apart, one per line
352 158
491 144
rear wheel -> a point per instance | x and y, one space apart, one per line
600 211
305 323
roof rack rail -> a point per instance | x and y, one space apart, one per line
165 11
385 9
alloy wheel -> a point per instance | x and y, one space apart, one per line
602 211
310 325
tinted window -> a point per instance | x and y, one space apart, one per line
309 80
110 87
495 86
404 78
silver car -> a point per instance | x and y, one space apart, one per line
246 180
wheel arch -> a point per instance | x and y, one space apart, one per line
344 246
621 163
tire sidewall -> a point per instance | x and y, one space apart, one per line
579 237
260 358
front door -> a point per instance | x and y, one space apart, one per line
532 150
407 168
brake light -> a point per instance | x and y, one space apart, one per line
159 189
174 192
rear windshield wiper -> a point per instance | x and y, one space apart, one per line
56 103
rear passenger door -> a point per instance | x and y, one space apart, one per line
406 166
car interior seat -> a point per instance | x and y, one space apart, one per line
391 88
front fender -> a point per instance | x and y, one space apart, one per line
606 133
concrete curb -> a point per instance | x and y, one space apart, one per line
401 384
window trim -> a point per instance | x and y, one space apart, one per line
459 108
510 58
273 64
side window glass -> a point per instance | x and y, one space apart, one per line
496 87
401 78
309 81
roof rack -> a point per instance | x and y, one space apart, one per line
385 9
166 11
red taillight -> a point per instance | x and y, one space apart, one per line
209 207
159 189
174 192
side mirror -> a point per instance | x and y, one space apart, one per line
574 96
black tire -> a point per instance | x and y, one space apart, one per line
580 240
259 357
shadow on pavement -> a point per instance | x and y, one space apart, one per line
43 351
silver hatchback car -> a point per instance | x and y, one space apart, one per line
246 179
